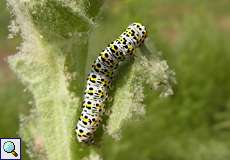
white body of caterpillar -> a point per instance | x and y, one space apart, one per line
100 78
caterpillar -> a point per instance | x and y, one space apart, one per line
100 78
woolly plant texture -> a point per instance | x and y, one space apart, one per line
52 63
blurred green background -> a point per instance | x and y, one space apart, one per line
14 100
193 36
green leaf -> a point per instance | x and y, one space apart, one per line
51 63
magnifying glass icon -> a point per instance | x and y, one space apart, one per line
9 147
